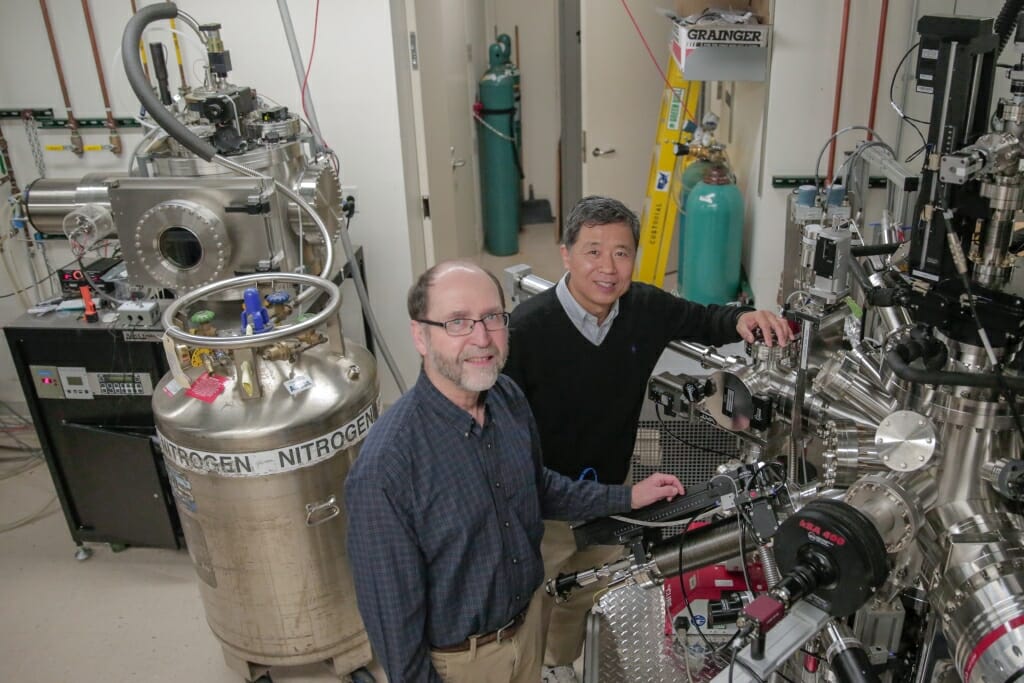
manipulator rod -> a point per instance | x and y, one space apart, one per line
668 558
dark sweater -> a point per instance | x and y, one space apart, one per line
586 398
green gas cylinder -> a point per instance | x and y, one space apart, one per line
506 49
499 168
693 174
709 270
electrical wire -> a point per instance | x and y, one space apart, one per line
686 599
687 114
903 116
21 469
302 92
737 660
25 289
657 412
48 509
817 164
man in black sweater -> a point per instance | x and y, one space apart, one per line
582 352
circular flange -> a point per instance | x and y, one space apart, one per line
905 441
210 235
319 186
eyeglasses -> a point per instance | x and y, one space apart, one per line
460 327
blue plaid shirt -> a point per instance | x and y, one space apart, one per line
444 522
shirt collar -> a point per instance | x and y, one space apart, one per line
577 314
450 413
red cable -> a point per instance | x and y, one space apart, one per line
839 88
309 64
657 66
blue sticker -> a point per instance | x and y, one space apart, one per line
661 183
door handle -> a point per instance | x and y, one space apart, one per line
598 152
456 163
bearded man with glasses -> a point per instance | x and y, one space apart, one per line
447 497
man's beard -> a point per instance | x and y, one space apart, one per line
468 377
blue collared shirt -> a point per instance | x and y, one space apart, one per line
444 522
585 322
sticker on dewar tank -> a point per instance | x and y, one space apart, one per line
283 459
298 384
181 487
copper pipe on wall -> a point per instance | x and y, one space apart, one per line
5 154
142 45
839 87
115 139
879 49
76 137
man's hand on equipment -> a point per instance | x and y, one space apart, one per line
772 327
656 487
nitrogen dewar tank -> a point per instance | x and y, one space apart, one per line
258 434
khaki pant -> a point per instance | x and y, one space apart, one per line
515 660
564 626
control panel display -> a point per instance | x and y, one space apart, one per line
75 382
78 383
122 384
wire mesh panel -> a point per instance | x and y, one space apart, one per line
690 451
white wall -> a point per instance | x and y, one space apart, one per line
352 81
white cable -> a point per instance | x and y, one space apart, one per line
653 525
817 165
492 128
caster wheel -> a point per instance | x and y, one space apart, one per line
362 676
82 553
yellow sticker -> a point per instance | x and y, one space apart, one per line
93 148
197 357
54 148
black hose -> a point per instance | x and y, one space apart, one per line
1006 21
903 370
860 275
853 666
140 84
876 249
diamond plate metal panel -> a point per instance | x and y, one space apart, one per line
626 642
630 638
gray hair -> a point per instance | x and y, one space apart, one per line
418 300
595 210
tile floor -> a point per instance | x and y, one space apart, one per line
134 615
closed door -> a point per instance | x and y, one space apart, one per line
620 95
444 36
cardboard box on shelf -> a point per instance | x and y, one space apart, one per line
761 8
713 51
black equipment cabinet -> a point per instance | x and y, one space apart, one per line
88 387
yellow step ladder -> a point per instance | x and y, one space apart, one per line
658 218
